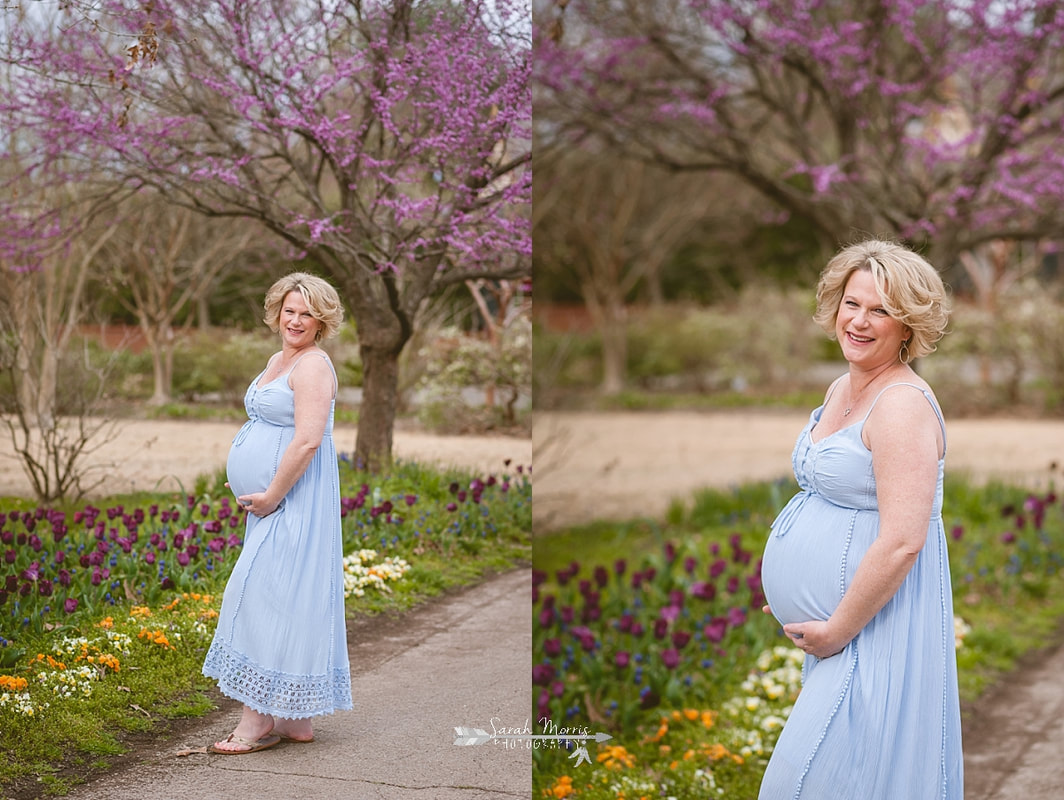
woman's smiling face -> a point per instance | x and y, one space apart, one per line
297 324
868 335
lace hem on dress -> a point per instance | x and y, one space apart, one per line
277 693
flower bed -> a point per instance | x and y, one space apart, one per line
662 644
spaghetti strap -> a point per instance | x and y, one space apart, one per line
831 389
323 354
930 399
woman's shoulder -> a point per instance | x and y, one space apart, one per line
314 365
904 411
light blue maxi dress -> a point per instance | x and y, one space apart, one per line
281 645
881 719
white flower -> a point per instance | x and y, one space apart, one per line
960 630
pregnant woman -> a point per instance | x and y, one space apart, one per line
281 645
855 567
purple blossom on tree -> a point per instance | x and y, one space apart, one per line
386 142
939 121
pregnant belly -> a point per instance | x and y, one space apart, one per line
251 464
807 562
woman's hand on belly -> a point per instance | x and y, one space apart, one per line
258 504
816 637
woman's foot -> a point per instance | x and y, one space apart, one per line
294 730
251 733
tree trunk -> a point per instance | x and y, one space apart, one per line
380 398
157 344
614 355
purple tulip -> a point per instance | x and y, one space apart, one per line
410 499
552 647
602 577
149 557
716 569
957 532
716 629
661 628
70 605
680 639
732 585
183 559
703 590
543 704
638 629
586 637
546 617
621 659
452 507
557 688
736 617
671 658
45 587
689 564
670 613
1008 537
63 577
10 556
32 572
619 566
542 674
567 614
624 624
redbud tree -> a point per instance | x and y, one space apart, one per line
938 121
386 141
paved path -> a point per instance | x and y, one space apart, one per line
1014 738
462 660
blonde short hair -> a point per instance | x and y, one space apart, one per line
910 290
319 295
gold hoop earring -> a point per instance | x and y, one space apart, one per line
904 356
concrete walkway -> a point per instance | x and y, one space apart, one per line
463 660
1013 739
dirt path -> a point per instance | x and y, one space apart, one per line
168 454
624 465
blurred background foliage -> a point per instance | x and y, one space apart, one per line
723 315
